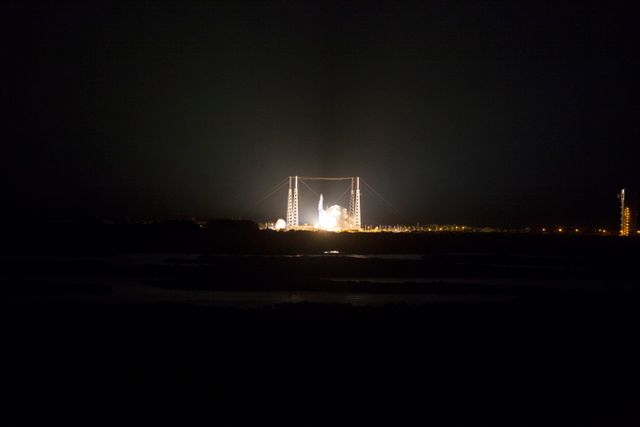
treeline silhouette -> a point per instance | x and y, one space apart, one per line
244 237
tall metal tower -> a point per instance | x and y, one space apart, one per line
356 212
292 203
355 221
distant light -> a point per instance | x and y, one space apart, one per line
544 229
577 230
560 230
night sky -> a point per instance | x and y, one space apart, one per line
484 113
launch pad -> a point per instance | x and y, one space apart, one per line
330 219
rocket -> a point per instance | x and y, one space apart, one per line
321 212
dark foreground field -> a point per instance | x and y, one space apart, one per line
181 326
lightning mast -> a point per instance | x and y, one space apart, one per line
355 222
292 203
352 201
356 210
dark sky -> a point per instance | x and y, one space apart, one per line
496 113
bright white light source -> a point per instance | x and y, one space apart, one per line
330 219
280 224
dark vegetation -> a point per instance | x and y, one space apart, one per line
243 237
560 351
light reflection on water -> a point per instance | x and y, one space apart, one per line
168 258
408 257
257 299
439 280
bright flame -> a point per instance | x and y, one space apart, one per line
329 219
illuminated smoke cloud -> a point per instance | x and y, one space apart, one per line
334 218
